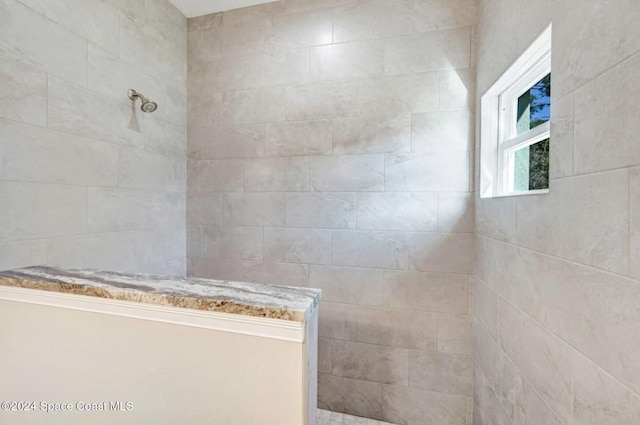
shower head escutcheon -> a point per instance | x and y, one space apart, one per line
146 106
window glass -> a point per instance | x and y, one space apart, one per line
534 106
531 167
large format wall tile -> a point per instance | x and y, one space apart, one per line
28 37
434 292
321 210
15 255
370 249
347 173
541 357
23 93
398 211
411 406
35 154
352 121
276 174
233 243
375 363
446 373
298 138
27 212
223 175
397 328
428 51
348 284
66 14
604 117
307 246
253 209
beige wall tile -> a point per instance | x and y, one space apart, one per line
36 210
29 37
411 406
107 251
456 212
204 207
455 335
209 268
74 110
253 209
447 131
441 252
237 38
597 104
253 106
337 321
446 373
324 355
600 399
530 408
370 249
195 245
434 292
457 89
362 135
23 93
397 328
276 174
428 51
371 19
79 16
486 307
398 211
444 171
16 255
582 54
290 67
304 29
223 175
242 141
298 138
276 273
541 357
634 214
342 61
375 363
233 243
35 154
145 170
594 220
352 396
499 375
487 403
297 245
562 131
347 173
347 284
391 96
433 15
496 218
326 100
111 209
321 210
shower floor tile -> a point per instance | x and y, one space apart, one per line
327 417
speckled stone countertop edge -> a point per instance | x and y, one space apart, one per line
242 298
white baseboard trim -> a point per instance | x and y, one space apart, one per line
285 330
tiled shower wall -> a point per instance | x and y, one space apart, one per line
558 275
329 145
85 178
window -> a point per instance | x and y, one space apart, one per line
515 128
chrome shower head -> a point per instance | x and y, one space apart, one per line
146 106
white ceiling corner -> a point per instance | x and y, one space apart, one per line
193 8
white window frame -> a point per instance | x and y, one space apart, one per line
498 138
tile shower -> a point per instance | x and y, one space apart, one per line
331 144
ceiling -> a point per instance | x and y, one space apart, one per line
192 8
